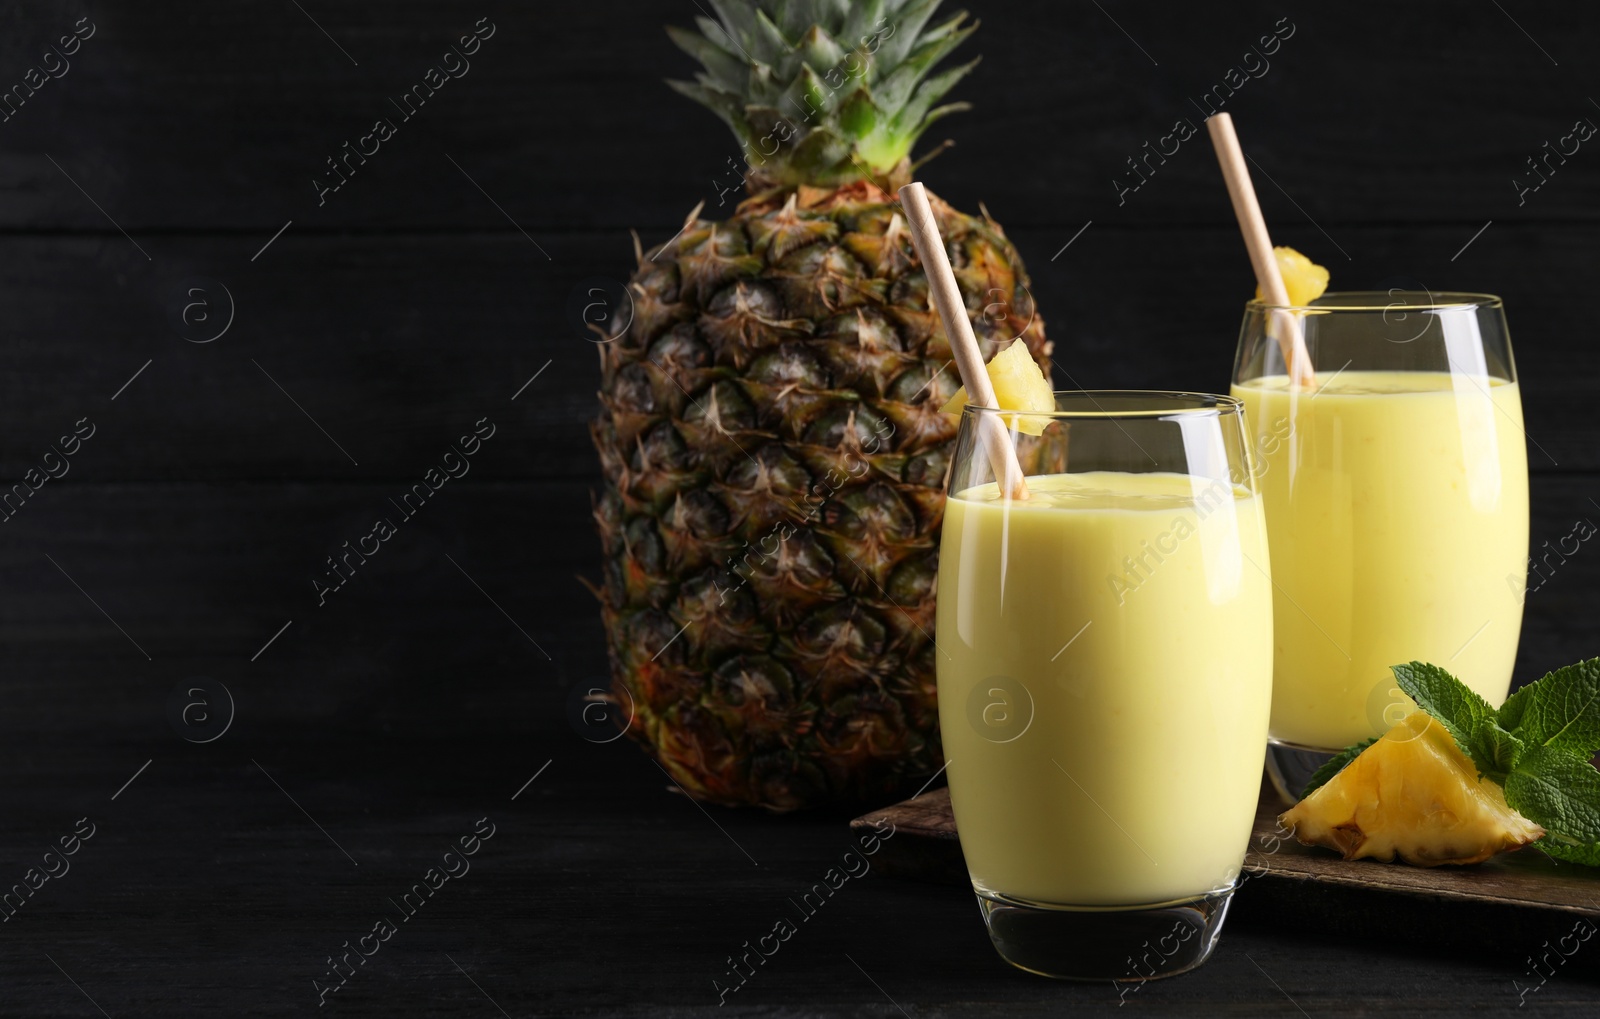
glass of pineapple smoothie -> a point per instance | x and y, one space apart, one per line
1396 491
1105 668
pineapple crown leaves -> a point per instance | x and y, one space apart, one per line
1537 746
824 92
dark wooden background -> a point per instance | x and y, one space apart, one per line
428 291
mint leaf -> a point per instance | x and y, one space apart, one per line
1558 792
1501 748
1325 773
1560 710
1453 703
1588 855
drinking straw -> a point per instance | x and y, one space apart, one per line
952 310
1291 340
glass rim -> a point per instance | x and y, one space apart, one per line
1383 300
1162 406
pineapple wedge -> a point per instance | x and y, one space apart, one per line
1304 279
1018 385
1415 795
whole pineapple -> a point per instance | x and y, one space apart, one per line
770 434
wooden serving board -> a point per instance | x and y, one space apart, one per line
1510 904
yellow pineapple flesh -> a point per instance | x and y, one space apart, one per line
1415 795
1304 279
1019 384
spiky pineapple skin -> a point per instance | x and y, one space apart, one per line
774 461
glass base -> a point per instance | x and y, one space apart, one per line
1290 767
1137 944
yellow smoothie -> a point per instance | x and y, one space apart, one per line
1105 673
1397 508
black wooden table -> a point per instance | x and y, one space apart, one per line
349 339
224 877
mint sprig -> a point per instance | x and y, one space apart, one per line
1446 698
1562 710
1537 746
1494 750
1558 792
